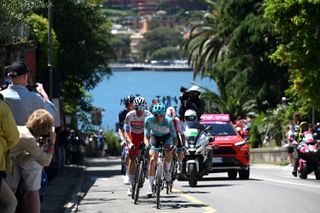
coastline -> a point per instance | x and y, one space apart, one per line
149 67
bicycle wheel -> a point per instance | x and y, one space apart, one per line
138 184
135 179
158 183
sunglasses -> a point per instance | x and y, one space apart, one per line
140 108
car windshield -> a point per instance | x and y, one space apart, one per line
222 129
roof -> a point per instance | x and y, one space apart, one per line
214 117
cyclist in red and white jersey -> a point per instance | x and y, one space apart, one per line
134 133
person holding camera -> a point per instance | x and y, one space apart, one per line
21 100
190 99
9 137
29 157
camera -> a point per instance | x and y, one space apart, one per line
43 139
185 94
32 87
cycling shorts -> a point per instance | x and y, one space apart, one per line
136 140
156 141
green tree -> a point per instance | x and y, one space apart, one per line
84 49
166 53
298 24
13 12
232 47
159 38
121 47
39 35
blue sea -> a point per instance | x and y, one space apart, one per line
148 84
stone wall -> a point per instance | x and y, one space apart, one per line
277 155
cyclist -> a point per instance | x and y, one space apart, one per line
134 132
159 128
171 112
128 102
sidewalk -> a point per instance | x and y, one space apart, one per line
59 191
62 193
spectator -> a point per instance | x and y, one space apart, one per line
101 144
29 157
9 137
22 101
74 147
60 152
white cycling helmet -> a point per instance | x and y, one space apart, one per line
171 112
190 115
140 103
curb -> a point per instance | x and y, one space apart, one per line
72 205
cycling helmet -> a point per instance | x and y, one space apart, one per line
171 112
159 108
140 103
190 115
128 100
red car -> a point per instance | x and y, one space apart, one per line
230 151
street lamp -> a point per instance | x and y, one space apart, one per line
50 49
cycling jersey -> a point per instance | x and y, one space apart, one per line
122 117
134 123
159 129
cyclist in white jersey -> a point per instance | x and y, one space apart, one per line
134 133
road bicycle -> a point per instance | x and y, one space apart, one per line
141 172
159 176
173 170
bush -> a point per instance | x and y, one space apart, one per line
255 135
112 143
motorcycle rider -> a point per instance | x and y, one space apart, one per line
190 99
303 127
178 126
159 128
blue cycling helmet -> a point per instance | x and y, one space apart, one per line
159 108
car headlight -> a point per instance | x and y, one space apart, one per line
240 143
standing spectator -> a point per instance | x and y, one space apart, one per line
22 101
101 144
29 157
289 138
61 144
82 150
9 137
74 147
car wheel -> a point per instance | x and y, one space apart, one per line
232 174
244 174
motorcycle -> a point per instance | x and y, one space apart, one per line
308 156
198 154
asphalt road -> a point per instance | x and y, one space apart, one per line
269 189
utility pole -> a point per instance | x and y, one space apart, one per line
50 49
